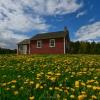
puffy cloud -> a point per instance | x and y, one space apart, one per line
89 32
25 15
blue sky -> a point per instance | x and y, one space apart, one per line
20 19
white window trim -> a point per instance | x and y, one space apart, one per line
50 43
40 44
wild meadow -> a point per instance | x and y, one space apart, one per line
50 77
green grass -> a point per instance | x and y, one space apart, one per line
50 77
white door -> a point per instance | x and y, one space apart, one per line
24 49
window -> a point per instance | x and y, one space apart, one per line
52 43
20 47
39 44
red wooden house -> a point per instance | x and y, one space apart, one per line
47 43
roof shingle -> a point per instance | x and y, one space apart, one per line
26 41
49 35
59 34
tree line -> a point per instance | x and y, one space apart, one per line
80 47
7 51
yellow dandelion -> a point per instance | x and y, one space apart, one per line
50 88
50 73
41 87
72 89
7 89
94 87
9 83
58 96
56 88
60 90
21 88
83 84
19 76
53 79
16 92
90 81
94 97
37 78
27 80
13 86
58 74
81 97
37 85
84 94
95 77
96 82
89 86
4 84
38 75
98 88
13 81
72 96
31 98
66 91
77 84
31 82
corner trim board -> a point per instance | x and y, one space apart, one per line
64 46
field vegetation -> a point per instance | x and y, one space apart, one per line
50 77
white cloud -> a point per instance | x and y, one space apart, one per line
80 14
9 39
25 15
52 7
16 18
89 32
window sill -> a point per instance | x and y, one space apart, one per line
38 47
52 46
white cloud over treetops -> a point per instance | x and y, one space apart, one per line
20 16
89 32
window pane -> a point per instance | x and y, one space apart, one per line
52 43
39 44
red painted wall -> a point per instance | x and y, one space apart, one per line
58 49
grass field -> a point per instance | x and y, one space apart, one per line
50 77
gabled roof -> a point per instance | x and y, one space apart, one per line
58 34
26 41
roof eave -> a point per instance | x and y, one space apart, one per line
46 38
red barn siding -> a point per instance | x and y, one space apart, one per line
58 49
